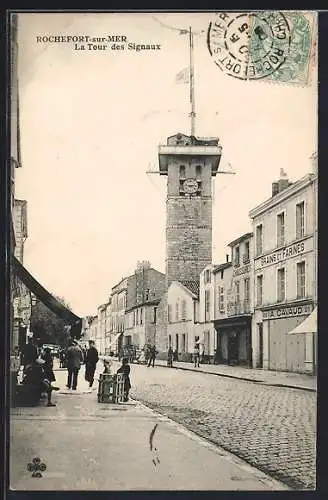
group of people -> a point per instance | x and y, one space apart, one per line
197 356
38 373
38 376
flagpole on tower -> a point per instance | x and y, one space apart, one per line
191 81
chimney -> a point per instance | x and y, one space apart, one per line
227 257
275 188
283 181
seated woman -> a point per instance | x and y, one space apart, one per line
34 384
125 370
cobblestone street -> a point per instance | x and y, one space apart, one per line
272 428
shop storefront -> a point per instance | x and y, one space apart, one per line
234 345
288 352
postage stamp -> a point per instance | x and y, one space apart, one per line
270 45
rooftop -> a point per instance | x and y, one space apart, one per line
193 286
221 267
245 236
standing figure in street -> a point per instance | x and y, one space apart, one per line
74 358
91 359
196 356
48 365
125 370
170 357
152 356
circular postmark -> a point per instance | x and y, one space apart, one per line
249 46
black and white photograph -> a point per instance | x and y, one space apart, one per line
164 250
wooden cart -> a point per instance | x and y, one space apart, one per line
111 388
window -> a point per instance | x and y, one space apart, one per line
246 290
237 288
198 171
177 311
259 290
183 309
141 313
300 231
182 171
237 256
207 305
281 229
154 314
207 276
246 253
301 280
221 299
170 340
222 274
281 285
259 239
169 313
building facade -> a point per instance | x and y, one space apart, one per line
206 330
141 323
183 318
234 304
285 275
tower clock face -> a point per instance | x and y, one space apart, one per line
190 186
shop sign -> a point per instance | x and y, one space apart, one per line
242 270
284 254
287 311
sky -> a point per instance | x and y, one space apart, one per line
91 124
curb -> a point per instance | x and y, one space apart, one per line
255 381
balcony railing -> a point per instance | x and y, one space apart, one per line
245 259
236 308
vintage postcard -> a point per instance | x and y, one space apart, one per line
163 251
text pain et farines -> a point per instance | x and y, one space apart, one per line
137 47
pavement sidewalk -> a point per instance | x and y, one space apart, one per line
87 445
267 377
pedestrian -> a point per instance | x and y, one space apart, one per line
62 358
48 365
170 357
175 355
196 356
147 353
91 359
152 356
74 358
125 370
29 352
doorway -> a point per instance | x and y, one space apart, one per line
233 349
260 335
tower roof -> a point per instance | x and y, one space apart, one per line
183 145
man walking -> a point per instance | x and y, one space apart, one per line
196 356
91 360
152 356
74 357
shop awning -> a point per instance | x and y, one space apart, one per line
45 297
233 321
309 325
